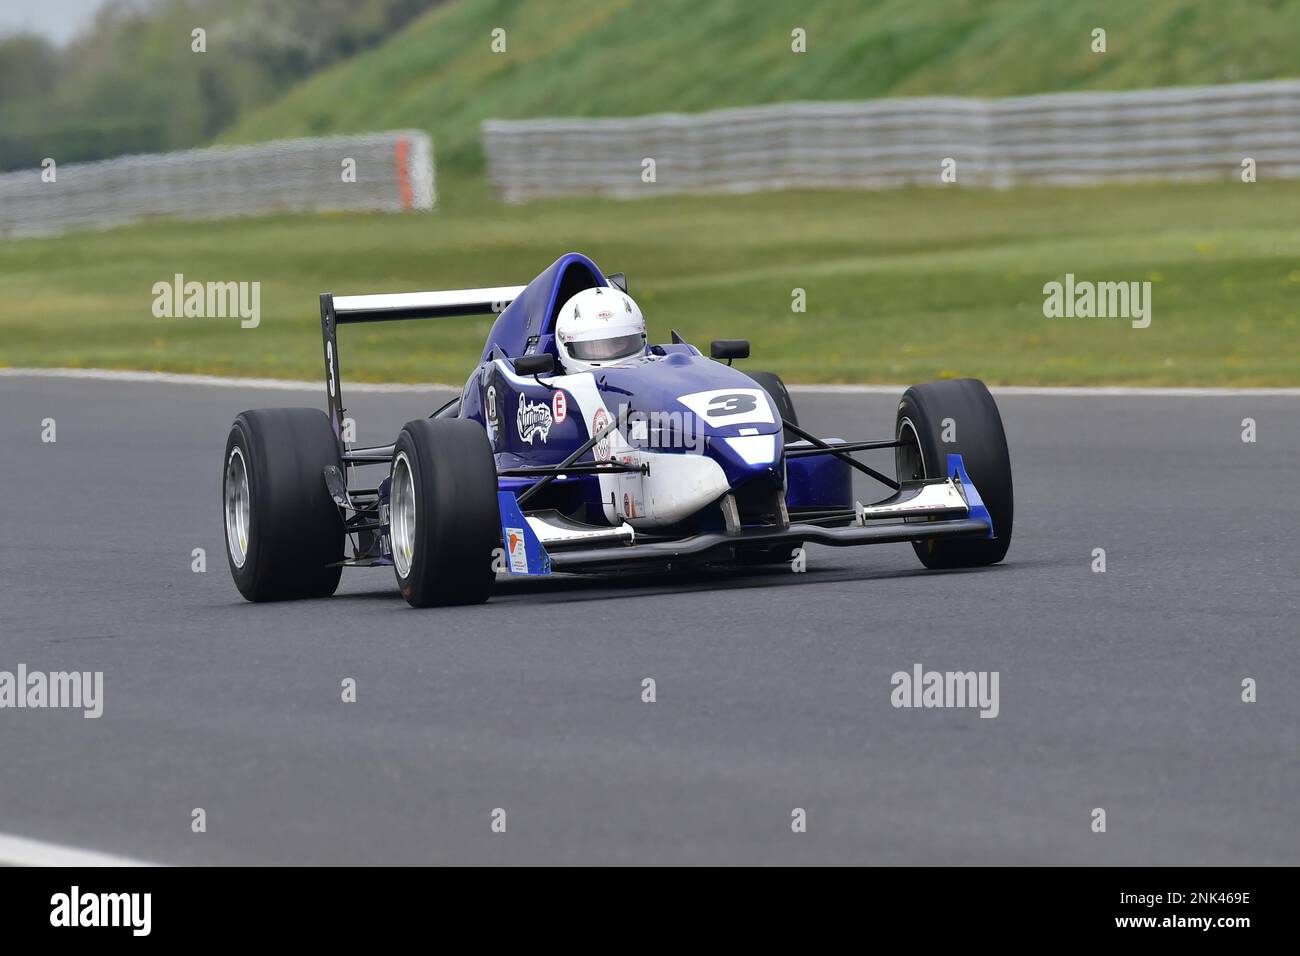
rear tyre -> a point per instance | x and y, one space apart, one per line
443 515
976 429
284 534
771 383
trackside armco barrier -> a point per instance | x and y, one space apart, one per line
1178 133
393 172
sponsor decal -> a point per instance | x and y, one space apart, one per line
627 504
515 548
534 420
559 406
599 421
605 314
492 405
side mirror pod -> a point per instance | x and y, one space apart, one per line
618 280
729 349
540 364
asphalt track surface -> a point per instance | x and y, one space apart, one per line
1119 690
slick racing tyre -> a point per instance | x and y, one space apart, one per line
443 515
961 410
284 534
771 383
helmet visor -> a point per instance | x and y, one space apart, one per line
608 349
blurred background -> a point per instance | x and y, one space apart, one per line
810 215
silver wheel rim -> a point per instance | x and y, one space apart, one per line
909 460
402 515
238 506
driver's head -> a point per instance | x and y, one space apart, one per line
598 327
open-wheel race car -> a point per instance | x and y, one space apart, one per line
577 446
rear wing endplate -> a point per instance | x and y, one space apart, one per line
388 307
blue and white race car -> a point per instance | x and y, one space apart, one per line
577 446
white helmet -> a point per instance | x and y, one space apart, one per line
598 327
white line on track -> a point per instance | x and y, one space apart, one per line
1089 391
172 378
19 851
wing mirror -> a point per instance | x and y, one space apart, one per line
618 280
540 364
729 349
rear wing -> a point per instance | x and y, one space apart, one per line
388 307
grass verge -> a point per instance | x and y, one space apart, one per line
900 286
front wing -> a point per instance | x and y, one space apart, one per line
919 510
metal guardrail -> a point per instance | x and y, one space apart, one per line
1175 133
393 172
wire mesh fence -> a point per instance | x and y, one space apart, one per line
390 171
1176 133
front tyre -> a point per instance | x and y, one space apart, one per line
284 534
771 383
443 517
963 411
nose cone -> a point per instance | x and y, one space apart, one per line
745 457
